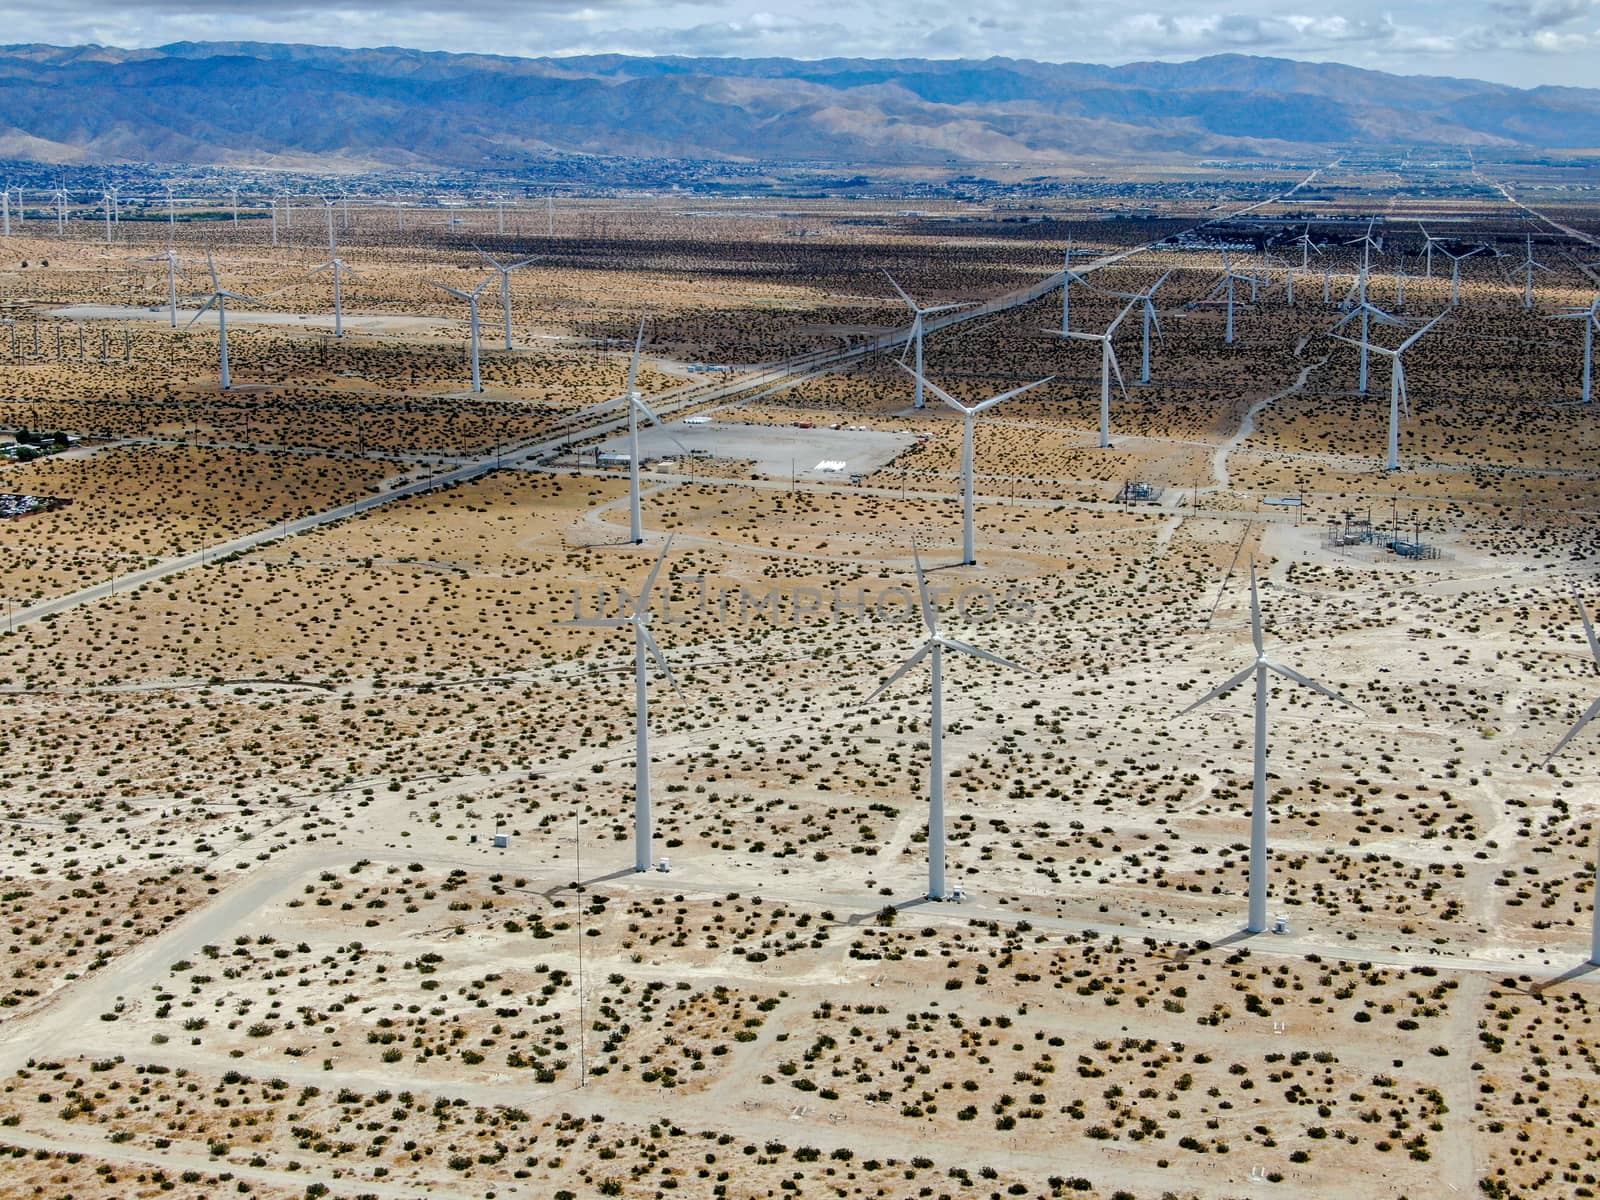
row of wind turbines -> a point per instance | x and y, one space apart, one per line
933 649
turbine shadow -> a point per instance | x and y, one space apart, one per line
1577 972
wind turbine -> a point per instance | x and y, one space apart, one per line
1527 267
472 309
1108 367
1455 271
643 644
1152 320
1591 321
220 297
236 209
1261 668
340 270
914 337
333 244
636 408
505 285
1307 244
1588 715
968 436
1397 385
5 208
1229 278
1068 278
172 215
61 211
171 259
933 649
1428 243
108 201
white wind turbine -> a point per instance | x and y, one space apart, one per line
914 337
236 209
61 211
171 259
643 645
970 413
636 408
5 208
220 297
108 201
1526 268
933 649
1589 714
1108 366
1152 320
1068 278
505 270
333 241
272 203
1428 243
472 310
1307 244
1455 270
1397 385
1258 798
340 269
1225 289
1591 321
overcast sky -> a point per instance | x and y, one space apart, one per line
1520 42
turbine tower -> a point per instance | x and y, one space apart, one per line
933 649
472 309
1108 367
340 270
220 297
505 285
914 337
1591 321
1397 385
1588 715
1261 668
970 413
1428 243
643 644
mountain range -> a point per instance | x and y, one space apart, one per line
249 103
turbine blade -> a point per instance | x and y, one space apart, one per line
1255 611
203 308
1588 628
650 581
930 615
979 652
936 390
910 303
1003 396
445 287
905 669
1588 715
1116 367
1221 689
216 284
661 659
1305 681
633 365
598 622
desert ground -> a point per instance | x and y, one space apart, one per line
320 817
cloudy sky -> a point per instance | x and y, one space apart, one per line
1520 42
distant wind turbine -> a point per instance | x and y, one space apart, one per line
970 413
1108 367
1591 321
472 309
914 336
340 270
1397 385
220 297
505 270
